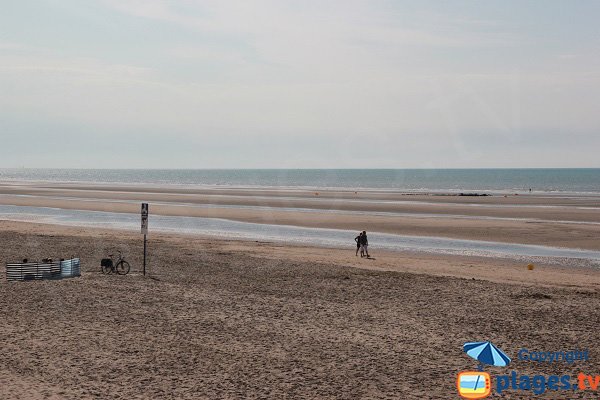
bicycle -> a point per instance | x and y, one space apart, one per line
109 266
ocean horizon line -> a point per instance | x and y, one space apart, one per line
300 169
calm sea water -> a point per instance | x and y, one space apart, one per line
433 180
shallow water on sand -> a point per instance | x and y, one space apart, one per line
345 212
306 236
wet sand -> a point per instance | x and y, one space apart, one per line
236 320
572 222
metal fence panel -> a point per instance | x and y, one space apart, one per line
36 271
70 268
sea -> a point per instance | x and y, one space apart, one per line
584 181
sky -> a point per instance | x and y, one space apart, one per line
299 84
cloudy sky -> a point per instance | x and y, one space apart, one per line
299 84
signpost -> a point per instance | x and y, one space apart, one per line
145 229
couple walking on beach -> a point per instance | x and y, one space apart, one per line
362 244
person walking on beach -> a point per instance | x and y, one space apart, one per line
358 241
364 244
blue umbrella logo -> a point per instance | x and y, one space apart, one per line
486 353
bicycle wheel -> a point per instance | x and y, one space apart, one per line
107 269
123 267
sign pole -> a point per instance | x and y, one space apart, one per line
144 254
144 215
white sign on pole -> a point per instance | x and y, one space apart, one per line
145 218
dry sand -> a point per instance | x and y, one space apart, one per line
236 320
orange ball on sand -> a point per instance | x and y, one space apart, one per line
530 267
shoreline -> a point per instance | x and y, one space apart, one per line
307 191
536 226
497 270
324 238
502 227
18 175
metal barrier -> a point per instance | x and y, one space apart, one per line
70 268
50 270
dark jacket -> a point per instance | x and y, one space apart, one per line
364 240
358 240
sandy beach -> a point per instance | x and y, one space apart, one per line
236 319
